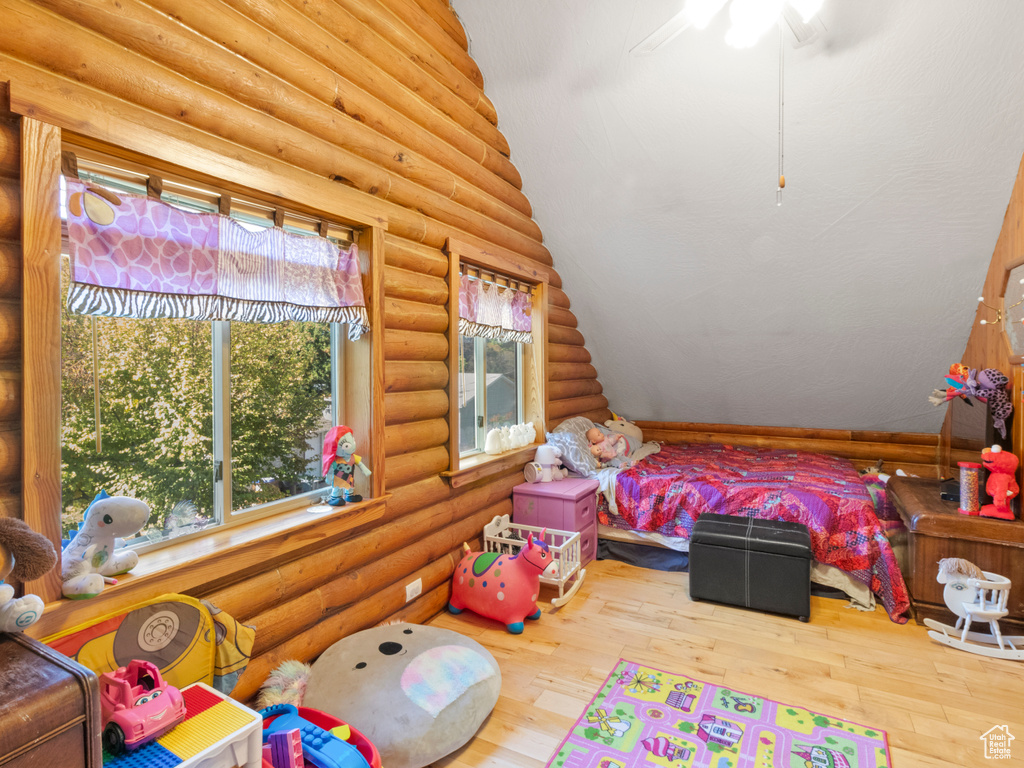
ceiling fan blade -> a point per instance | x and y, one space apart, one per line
662 35
803 32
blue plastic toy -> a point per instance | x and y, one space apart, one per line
321 748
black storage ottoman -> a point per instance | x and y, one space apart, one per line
760 564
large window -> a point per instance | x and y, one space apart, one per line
490 389
202 420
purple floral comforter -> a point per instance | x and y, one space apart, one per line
667 491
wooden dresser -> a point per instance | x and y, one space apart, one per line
936 530
49 708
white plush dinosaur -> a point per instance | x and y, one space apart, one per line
93 553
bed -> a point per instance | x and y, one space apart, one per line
659 498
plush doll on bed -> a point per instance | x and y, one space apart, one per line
609 448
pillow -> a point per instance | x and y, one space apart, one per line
575 448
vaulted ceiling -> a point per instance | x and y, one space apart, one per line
653 180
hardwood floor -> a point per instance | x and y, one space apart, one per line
935 702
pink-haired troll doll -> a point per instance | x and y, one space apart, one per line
340 459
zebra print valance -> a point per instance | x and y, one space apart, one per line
136 256
491 311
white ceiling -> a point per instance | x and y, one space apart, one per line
653 179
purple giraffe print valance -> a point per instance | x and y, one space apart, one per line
136 256
493 312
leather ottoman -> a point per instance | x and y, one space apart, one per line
760 564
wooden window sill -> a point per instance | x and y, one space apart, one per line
197 565
482 465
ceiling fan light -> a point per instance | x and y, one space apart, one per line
701 12
750 20
806 8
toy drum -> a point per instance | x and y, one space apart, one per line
970 481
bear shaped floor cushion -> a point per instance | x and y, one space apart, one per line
418 693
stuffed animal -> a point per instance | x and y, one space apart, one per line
417 693
1001 484
549 459
502 586
627 428
24 554
94 554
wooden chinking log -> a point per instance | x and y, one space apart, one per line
565 371
425 607
10 149
407 500
564 353
56 43
558 298
10 391
277 624
445 18
410 467
599 416
918 454
407 255
400 407
562 390
406 284
427 27
404 315
10 502
337 39
323 90
362 615
560 316
558 334
411 345
559 409
413 436
10 329
10 452
425 509
10 209
10 269
453 66
411 375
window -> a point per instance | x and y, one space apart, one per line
497 354
201 419
490 389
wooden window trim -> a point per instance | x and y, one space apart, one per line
236 549
464 471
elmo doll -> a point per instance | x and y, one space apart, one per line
1001 484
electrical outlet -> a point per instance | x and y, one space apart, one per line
413 589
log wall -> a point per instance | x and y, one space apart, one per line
915 453
378 102
987 346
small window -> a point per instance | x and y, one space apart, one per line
490 389
497 352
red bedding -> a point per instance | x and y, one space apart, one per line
666 492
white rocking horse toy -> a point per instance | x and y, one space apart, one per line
975 595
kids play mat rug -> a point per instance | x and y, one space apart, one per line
646 717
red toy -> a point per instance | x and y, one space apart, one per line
501 586
1001 484
137 706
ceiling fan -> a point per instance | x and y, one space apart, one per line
750 19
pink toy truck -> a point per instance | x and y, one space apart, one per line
137 706
502 586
